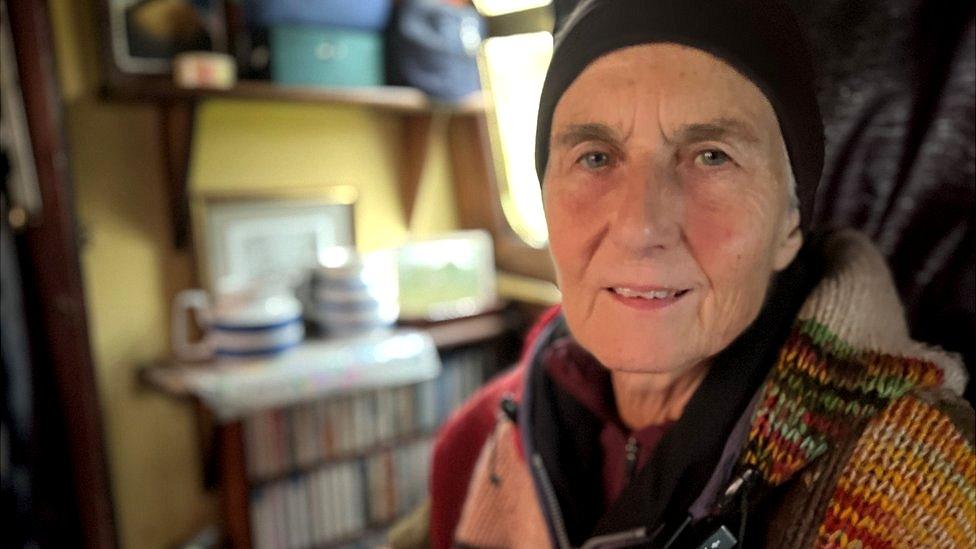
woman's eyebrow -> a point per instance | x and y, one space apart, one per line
575 134
718 129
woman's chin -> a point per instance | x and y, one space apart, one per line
646 361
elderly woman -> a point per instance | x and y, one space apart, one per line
716 374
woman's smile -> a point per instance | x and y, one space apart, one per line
647 299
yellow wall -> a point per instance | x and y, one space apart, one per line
132 271
258 144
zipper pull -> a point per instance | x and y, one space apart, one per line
509 407
738 490
742 484
630 451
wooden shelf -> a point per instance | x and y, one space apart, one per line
172 378
390 98
466 331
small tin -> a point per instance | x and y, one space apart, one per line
326 56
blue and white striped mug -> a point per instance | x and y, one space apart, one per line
249 321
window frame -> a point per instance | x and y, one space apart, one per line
478 195
478 186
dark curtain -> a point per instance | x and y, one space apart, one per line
897 94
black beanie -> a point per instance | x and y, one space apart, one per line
759 38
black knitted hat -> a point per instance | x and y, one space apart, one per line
759 38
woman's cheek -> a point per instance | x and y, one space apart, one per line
559 211
711 226
725 238
570 203
564 212
728 208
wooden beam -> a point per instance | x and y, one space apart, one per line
78 512
233 485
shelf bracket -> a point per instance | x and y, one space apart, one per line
415 145
177 137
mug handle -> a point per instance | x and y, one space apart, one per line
198 302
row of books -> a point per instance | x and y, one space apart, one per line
339 501
283 440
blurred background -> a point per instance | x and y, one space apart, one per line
254 252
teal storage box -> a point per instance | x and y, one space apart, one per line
326 56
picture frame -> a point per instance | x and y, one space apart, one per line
244 235
447 276
141 37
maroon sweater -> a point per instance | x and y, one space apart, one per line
461 438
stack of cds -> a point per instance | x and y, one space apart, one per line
355 294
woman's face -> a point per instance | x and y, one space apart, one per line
668 207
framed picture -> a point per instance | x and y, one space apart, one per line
145 35
447 276
248 235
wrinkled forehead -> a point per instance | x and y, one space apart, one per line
667 86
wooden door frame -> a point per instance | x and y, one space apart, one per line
65 395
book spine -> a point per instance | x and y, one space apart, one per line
279 519
328 505
335 503
260 532
315 508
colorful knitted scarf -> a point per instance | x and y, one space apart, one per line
848 369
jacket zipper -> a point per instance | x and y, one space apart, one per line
630 457
549 494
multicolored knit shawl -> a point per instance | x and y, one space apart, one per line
850 368
820 388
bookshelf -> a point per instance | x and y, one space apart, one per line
339 466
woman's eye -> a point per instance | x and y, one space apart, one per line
713 157
595 160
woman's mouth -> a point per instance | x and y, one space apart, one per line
647 298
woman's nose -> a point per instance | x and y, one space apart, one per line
648 211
